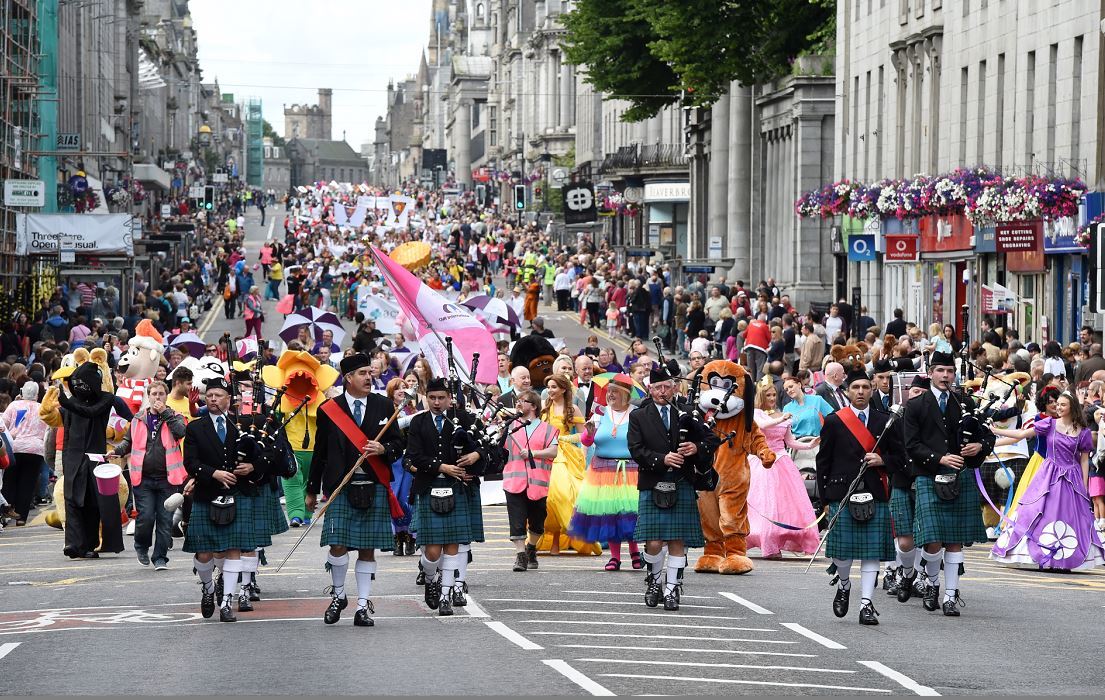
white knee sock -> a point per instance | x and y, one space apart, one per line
655 562
868 575
908 557
675 569
249 567
448 572
898 563
952 560
365 571
462 563
339 567
844 571
431 567
231 570
218 561
931 562
203 570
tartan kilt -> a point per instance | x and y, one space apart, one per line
680 522
854 540
901 511
346 526
948 522
451 528
270 516
475 513
989 472
205 536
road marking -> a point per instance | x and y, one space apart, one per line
636 593
699 650
665 636
576 677
511 635
744 682
704 664
473 609
810 634
622 623
594 602
746 603
271 224
8 648
611 612
900 678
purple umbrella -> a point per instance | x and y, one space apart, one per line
493 309
317 320
189 343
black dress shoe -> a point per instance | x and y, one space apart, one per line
71 553
411 545
361 618
433 593
951 607
207 604
226 614
931 599
868 615
459 601
671 601
652 591
420 579
218 585
90 555
333 611
243 603
905 587
531 556
840 601
889 578
444 607
399 542
254 591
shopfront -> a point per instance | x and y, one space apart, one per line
666 209
949 266
1027 279
1067 277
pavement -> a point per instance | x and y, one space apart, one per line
112 626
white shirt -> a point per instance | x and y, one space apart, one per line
364 404
863 415
215 422
936 392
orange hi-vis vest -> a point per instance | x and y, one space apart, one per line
520 475
174 458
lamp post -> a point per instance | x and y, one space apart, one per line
546 158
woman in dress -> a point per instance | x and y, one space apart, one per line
1053 526
606 510
778 494
567 470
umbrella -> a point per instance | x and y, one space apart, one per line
637 392
317 320
189 343
412 255
494 309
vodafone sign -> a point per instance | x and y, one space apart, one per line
902 249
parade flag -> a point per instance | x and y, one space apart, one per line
383 310
434 318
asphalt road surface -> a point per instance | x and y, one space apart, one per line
112 626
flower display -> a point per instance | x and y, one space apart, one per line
1086 232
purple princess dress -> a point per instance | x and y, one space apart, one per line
1052 526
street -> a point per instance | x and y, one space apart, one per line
568 628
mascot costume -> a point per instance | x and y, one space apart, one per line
203 370
535 354
303 378
724 511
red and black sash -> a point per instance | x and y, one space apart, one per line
863 436
355 435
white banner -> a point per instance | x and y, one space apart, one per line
80 233
375 306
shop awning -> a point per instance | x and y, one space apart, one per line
150 173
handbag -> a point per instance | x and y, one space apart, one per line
223 510
947 486
360 493
665 495
442 500
862 506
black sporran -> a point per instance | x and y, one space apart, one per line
361 493
665 495
442 500
947 486
223 510
861 506
704 480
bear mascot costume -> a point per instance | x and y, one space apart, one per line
728 392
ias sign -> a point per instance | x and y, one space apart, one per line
24 193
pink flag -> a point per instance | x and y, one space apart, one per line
434 318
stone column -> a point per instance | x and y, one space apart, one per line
567 87
462 127
719 172
738 207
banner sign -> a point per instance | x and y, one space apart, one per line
902 248
998 300
1019 236
861 247
1061 237
383 310
579 203
38 234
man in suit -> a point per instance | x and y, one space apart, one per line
882 397
945 520
359 516
665 461
585 389
848 440
897 327
519 382
832 389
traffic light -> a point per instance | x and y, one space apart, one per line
519 197
209 197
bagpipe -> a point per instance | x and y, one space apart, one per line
974 422
479 420
691 418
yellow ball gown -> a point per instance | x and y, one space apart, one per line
568 470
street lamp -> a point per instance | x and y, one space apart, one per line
546 158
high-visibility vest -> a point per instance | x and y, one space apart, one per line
518 474
174 458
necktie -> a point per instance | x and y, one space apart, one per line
357 414
440 420
863 417
220 428
943 401
840 395
886 401
664 415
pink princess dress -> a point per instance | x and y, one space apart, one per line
779 494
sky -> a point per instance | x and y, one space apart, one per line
283 51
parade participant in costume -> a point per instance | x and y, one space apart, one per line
358 517
568 468
304 377
531 448
725 509
1053 526
947 517
441 464
1045 407
1006 464
901 578
156 472
222 522
606 510
667 514
139 364
778 493
863 531
535 354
